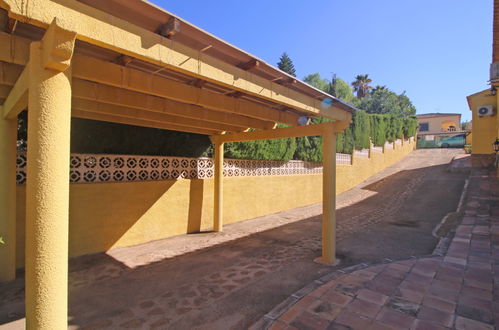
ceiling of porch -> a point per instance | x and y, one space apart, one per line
111 86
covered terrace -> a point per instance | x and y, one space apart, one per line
133 63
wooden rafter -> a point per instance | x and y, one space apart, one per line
126 112
282 133
123 77
137 122
120 36
253 63
86 90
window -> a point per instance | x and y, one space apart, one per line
423 127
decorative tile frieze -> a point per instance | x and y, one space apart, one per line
95 168
362 153
343 159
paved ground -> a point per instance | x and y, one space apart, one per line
231 279
457 290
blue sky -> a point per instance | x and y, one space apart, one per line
438 51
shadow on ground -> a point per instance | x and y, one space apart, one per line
232 285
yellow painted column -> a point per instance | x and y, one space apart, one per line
219 187
47 193
8 138
329 196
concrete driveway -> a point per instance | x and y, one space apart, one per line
230 280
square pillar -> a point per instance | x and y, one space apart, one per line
8 149
218 187
329 196
47 185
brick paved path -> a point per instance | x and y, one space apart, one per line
458 289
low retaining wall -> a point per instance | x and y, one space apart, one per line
106 215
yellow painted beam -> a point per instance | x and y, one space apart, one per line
101 29
329 195
138 122
107 73
118 76
14 49
4 92
218 187
17 100
280 133
126 112
8 139
87 90
9 73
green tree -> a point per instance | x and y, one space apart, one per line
361 85
378 129
343 91
383 101
361 129
286 64
278 149
318 82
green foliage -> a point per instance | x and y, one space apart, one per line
280 149
286 64
309 148
343 91
383 101
340 141
1 240
410 126
394 129
361 85
318 82
89 136
361 128
378 129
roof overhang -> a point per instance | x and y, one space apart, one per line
119 55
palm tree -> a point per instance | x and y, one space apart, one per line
379 88
361 85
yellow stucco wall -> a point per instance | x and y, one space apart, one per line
484 129
469 138
108 215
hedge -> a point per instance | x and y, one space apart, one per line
88 136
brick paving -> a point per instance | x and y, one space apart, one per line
231 279
457 289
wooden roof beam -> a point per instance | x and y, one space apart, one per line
199 83
235 94
109 109
4 91
138 122
95 27
87 90
127 78
282 133
17 100
251 64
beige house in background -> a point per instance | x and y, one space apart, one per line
432 123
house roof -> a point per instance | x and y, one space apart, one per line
437 114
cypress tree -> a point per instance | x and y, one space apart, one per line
285 64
